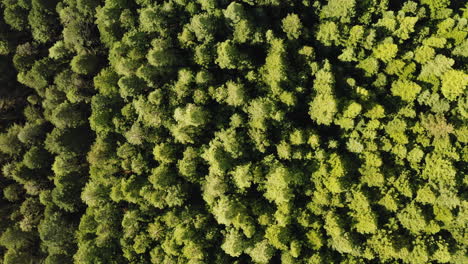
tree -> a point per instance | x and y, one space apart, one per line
454 83
164 153
230 212
189 165
191 115
13 192
131 86
412 218
56 232
102 112
234 243
106 82
370 66
248 131
279 185
68 115
76 88
236 94
341 9
36 158
42 23
435 68
439 171
439 9
39 75
262 252
235 12
15 239
25 55
31 210
292 26
87 7
386 51
260 110
154 19
84 64
245 32
63 141
229 56
9 142
405 89
162 54
278 236
110 32
323 109
57 258
424 54
16 16
59 51
340 240
136 135
204 26
242 176
328 33
275 68
366 220
406 27
13 256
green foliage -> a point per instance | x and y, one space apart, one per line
279 237
56 232
386 51
58 51
130 86
275 66
454 84
13 192
236 94
63 141
106 82
68 115
16 17
188 166
15 239
406 90
229 56
43 24
328 33
366 219
323 108
204 26
262 252
235 12
36 158
164 153
369 65
38 77
84 64
9 142
191 115
234 243
412 219
102 113
250 131
339 9
162 54
292 26
279 185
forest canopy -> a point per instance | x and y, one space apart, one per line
247 131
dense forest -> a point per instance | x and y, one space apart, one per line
248 131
